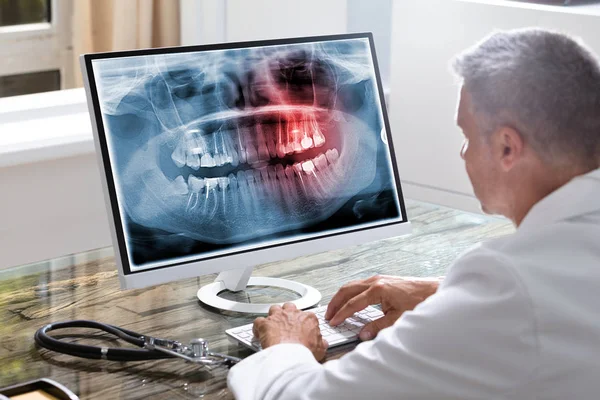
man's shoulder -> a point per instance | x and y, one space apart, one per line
538 259
549 247
487 266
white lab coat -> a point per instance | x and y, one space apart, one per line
516 318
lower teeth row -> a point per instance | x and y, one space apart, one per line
309 167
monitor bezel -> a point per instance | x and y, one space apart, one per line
116 223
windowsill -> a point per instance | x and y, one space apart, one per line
44 126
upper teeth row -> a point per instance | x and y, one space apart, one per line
196 185
195 151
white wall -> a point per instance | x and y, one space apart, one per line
51 208
374 16
211 21
426 34
269 19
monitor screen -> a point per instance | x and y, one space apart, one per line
214 150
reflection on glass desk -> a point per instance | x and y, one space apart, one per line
85 286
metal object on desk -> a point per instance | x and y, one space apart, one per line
152 348
197 352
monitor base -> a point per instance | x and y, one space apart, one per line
209 295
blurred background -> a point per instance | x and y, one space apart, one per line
51 201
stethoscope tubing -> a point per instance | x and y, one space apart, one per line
44 340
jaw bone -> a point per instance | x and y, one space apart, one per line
252 207
255 205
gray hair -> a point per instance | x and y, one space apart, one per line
544 84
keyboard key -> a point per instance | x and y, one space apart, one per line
348 334
355 324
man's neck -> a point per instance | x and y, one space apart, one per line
538 187
522 208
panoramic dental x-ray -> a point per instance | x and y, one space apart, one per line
224 150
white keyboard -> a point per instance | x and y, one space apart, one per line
346 332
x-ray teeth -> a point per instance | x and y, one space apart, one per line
227 148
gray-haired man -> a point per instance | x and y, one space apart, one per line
517 317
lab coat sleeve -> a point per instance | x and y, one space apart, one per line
474 339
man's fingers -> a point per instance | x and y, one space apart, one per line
274 308
321 352
345 293
371 330
289 306
355 304
257 323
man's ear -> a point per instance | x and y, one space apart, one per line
509 147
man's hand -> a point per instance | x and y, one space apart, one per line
395 295
287 324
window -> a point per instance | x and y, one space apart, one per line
35 38
24 12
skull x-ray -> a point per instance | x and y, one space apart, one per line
225 150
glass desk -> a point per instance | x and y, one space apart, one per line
85 286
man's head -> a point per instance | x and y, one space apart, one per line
530 112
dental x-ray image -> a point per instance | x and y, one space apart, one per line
225 150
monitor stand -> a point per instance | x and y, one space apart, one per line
238 279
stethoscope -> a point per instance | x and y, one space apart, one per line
151 348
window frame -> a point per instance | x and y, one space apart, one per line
41 46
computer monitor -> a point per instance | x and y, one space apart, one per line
218 158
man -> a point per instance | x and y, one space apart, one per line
515 318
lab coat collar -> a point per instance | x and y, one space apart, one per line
579 196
